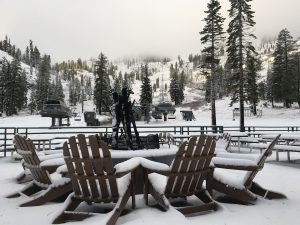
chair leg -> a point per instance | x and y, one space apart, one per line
160 198
28 190
242 195
258 190
146 188
205 197
67 214
48 195
120 205
132 182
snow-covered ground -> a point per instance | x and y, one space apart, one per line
282 177
270 117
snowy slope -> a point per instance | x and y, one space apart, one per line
30 78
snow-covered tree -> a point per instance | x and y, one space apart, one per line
212 35
239 44
283 79
146 91
102 95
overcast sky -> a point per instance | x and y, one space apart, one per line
68 29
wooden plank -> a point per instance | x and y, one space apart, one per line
184 164
175 166
79 170
109 169
88 166
98 167
71 169
194 163
203 164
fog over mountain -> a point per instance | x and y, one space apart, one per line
80 28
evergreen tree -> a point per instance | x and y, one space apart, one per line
13 87
21 89
253 65
3 71
174 88
117 85
126 82
238 46
36 57
59 92
154 88
212 35
283 79
31 55
74 91
32 102
270 87
102 96
43 82
146 91
297 75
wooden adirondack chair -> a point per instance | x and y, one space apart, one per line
94 179
189 170
48 186
242 188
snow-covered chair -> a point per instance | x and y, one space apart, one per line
45 186
189 170
26 176
94 179
234 174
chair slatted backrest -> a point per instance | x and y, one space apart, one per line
261 161
26 149
90 169
190 166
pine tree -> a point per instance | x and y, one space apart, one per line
146 91
238 46
283 78
212 35
59 88
14 88
102 96
43 82
174 88
297 75
253 65
3 69
22 89
36 57
31 55
117 85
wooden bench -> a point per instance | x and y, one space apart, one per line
278 148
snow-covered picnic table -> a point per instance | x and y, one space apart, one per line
129 158
288 142
164 154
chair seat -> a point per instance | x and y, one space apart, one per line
57 180
252 157
158 182
123 184
234 178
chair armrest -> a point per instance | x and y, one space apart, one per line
52 163
235 164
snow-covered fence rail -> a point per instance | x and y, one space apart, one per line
7 133
257 130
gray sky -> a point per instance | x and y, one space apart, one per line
68 29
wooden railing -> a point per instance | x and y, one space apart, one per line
7 133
